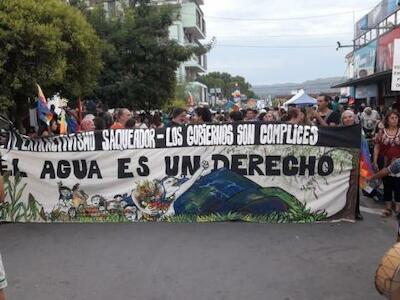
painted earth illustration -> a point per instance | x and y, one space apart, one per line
226 192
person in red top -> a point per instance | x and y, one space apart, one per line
123 116
387 145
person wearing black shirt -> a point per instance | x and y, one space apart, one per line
325 116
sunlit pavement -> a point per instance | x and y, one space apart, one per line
195 261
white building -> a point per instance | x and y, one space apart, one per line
189 29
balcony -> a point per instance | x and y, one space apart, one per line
196 65
193 20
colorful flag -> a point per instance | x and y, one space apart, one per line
43 110
72 124
229 106
63 124
366 169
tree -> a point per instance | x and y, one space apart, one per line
45 42
140 59
227 83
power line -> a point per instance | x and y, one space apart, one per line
277 19
294 85
288 35
274 47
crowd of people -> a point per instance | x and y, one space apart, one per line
94 116
380 128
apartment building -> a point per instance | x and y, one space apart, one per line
190 29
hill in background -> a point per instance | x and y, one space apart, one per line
313 87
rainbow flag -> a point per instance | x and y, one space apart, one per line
366 169
43 110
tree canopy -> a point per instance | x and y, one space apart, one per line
227 83
46 42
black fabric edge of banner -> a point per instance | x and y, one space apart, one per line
334 137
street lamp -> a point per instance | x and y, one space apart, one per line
339 46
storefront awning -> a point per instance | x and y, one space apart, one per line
364 81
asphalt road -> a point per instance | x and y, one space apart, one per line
195 261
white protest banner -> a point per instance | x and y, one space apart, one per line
253 172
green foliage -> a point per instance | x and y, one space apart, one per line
46 42
140 59
299 215
15 210
227 83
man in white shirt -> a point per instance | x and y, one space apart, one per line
369 119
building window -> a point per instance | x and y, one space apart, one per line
111 8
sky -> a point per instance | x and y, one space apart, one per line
297 49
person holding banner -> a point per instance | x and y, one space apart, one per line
349 119
268 117
123 115
387 145
202 115
178 117
51 130
235 116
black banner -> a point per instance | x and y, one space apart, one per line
238 134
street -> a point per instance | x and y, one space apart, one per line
195 261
